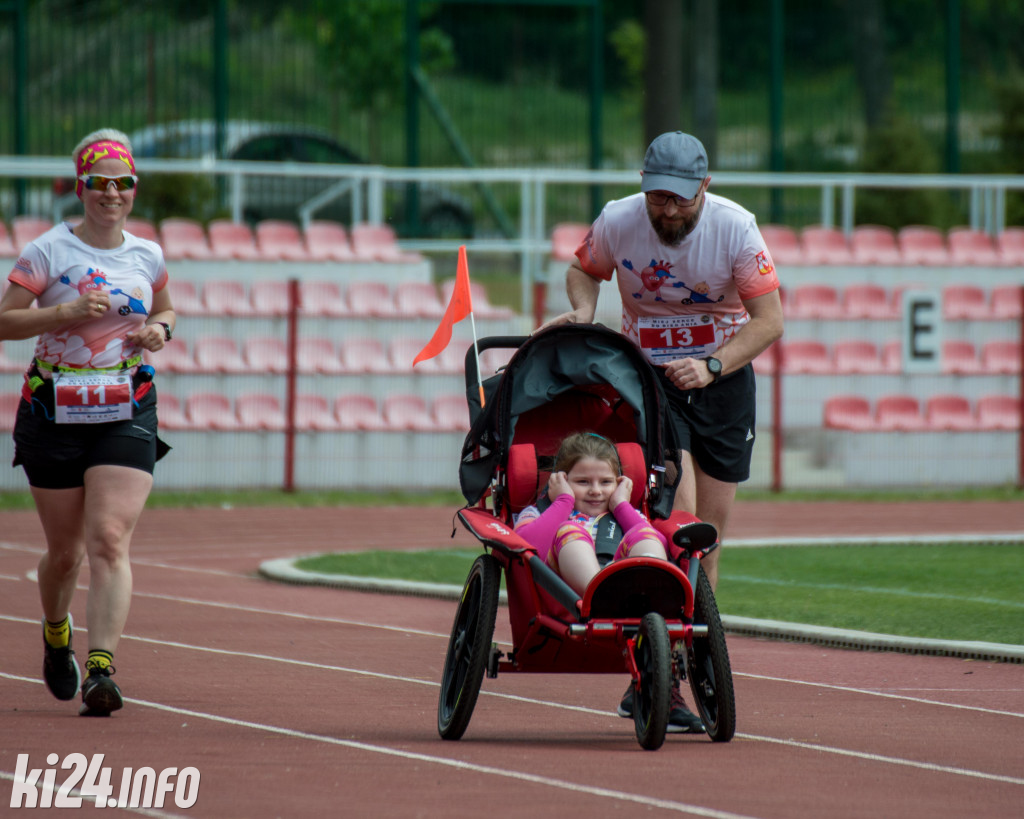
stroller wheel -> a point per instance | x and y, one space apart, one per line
651 704
468 647
708 668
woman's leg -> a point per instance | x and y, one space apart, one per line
61 515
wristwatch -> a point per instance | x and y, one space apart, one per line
167 330
714 367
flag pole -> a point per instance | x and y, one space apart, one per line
476 353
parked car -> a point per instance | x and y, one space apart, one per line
442 213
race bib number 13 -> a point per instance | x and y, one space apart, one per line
666 338
92 399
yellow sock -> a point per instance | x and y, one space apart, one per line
58 635
98 659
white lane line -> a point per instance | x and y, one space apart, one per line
521 776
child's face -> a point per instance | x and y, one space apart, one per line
593 483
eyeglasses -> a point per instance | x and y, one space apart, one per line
95 182
660 199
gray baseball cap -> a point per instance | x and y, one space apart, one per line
675 162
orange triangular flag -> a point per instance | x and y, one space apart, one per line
459 306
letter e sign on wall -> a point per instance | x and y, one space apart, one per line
922 331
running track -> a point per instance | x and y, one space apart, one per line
309 702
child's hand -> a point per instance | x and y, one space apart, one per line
623 492
558 484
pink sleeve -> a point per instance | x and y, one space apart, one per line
629 518
540 532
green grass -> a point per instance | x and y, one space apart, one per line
940 591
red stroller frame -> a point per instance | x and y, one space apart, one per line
655 620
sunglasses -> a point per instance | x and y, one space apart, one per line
95 182
659 199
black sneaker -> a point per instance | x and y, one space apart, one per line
681 720
626 706
60 670
100 694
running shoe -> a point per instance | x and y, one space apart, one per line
60 670
681 720
100 694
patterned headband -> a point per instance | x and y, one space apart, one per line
106 149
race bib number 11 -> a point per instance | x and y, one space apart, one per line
92 399
666 338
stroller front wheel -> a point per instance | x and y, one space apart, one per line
652 702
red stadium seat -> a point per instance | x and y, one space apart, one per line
270 297
899 413
265 354
174 357
317 354
225 297
1000 357
971 247
26 228
959 357
825 245
184 239
408 412
855 356
356 411
232 240
260 412
142 228
1010 246
218 354
323 298
9 409
278 240
1005 301
892 357
964 302
170 413
998 412
851 412
814 301
783 244
949 412
867 301
482 306
379 243
368 298
451 413
7 247
565 238
313 413
210 410
803 357
187 299
452 359
875 245
364 355
923 245
402 351
328 242
418 300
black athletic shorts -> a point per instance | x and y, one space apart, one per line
55 456
716 424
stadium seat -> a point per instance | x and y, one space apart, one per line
328 242
210 411
1000 357
379 243
187 299
964 302
265 354
170 413
494 359
323 298
892 357
851 412
313 413
867 301
565 238
269 297
814 301
451 412
8 365
764 364
825 245
417 300
1010 246
875 245
8 409
971 247
959 357
922 245
357 411
783 244
7 247
174 357
259 411
232 240
452 359
949 412
364 355
371 298
997 412
278 240
226 297
805 357
317 354
856 356
403 411
26 228
1005 301
482 306
899 413
184 239
142 228
402 351
218 354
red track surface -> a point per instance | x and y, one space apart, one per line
310 702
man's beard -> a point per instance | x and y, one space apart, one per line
671 235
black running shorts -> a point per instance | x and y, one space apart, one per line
716 424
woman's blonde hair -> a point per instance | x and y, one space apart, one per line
582 445
100 135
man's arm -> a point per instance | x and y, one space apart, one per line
583 290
